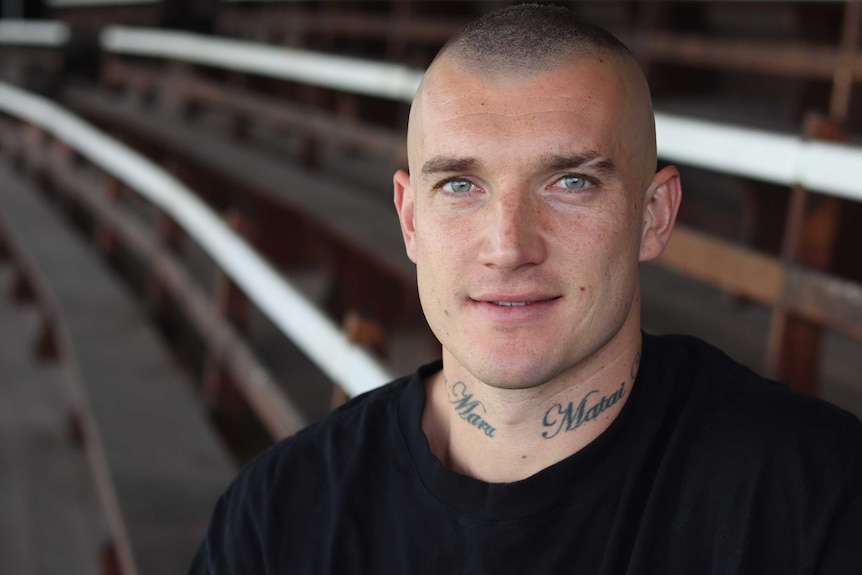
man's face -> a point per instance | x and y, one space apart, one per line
524 211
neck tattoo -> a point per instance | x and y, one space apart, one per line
470 410
570 416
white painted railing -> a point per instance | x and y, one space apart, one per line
45 33
829 168
380 79
772 157
348 365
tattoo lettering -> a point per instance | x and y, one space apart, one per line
468 408
570 417
566 418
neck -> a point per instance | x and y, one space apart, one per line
505 435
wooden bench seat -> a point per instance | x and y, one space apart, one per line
158 464
252 106
356 235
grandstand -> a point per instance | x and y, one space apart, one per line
198 253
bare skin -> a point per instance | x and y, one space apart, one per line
530 202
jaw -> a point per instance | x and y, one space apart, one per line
548 348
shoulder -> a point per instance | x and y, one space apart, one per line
362 435
727 406
696 367
748 464
363 422
293 490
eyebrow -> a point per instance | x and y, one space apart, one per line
604 167
443 164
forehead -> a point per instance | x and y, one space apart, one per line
581 106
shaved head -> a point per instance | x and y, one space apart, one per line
521 42
528 37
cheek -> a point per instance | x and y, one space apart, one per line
442 241
435 284
598 254
585 236
436 264
623 226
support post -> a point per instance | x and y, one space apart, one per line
229 300
106 238
46 346
109 560
793 349
21 291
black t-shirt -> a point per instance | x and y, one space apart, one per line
707 469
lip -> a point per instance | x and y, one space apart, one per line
513 308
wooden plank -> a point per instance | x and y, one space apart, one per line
825 300
813 295
51 521
776 58
196 91
346 222
157 463
739 270
41 59
813 298
295 26
276 412
843 76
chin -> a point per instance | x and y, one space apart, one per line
512 372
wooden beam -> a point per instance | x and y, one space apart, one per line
272 407
739 270
843 75
229 301
288 115
793 349
776 58
825 300
812 295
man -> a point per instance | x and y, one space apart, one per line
554 437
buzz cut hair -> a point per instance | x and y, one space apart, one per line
528 37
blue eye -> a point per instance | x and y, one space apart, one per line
458 186
574 182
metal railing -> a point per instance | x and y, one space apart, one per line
759 154
39 33
779 158
346 364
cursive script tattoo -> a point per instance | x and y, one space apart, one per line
469 409
566 418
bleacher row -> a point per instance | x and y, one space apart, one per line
255 179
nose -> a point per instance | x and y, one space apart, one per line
513 235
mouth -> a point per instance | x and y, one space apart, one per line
513 309
522 303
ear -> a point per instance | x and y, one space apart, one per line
403 197
660 209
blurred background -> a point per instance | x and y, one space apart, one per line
199 255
